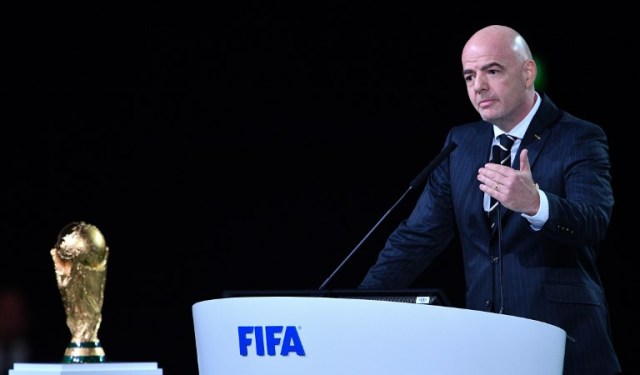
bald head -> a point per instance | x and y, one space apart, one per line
500 41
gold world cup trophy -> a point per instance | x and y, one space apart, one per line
80 261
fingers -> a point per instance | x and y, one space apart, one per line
489 185
492 173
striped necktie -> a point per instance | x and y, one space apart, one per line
501 154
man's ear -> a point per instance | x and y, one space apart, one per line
530 71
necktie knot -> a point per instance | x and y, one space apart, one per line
502 151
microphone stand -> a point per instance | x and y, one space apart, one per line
416 181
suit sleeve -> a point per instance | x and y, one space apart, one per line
580 207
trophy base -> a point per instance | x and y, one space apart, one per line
84 352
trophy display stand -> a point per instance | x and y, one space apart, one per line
115 368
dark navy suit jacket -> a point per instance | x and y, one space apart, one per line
548 275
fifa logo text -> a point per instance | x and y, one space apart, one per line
269 339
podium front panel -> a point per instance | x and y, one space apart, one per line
318 335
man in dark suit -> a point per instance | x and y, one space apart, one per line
538 261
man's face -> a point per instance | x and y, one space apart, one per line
496 84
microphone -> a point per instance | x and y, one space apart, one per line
419 179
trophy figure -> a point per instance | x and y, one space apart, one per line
80 260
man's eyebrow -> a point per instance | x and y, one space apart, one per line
491 65
485 67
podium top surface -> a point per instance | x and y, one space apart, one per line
429 296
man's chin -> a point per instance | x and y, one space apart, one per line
487 115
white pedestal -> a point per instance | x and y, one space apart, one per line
116 368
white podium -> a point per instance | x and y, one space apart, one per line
336 336
114 368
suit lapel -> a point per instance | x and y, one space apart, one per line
538 130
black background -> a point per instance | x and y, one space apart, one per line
252 146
